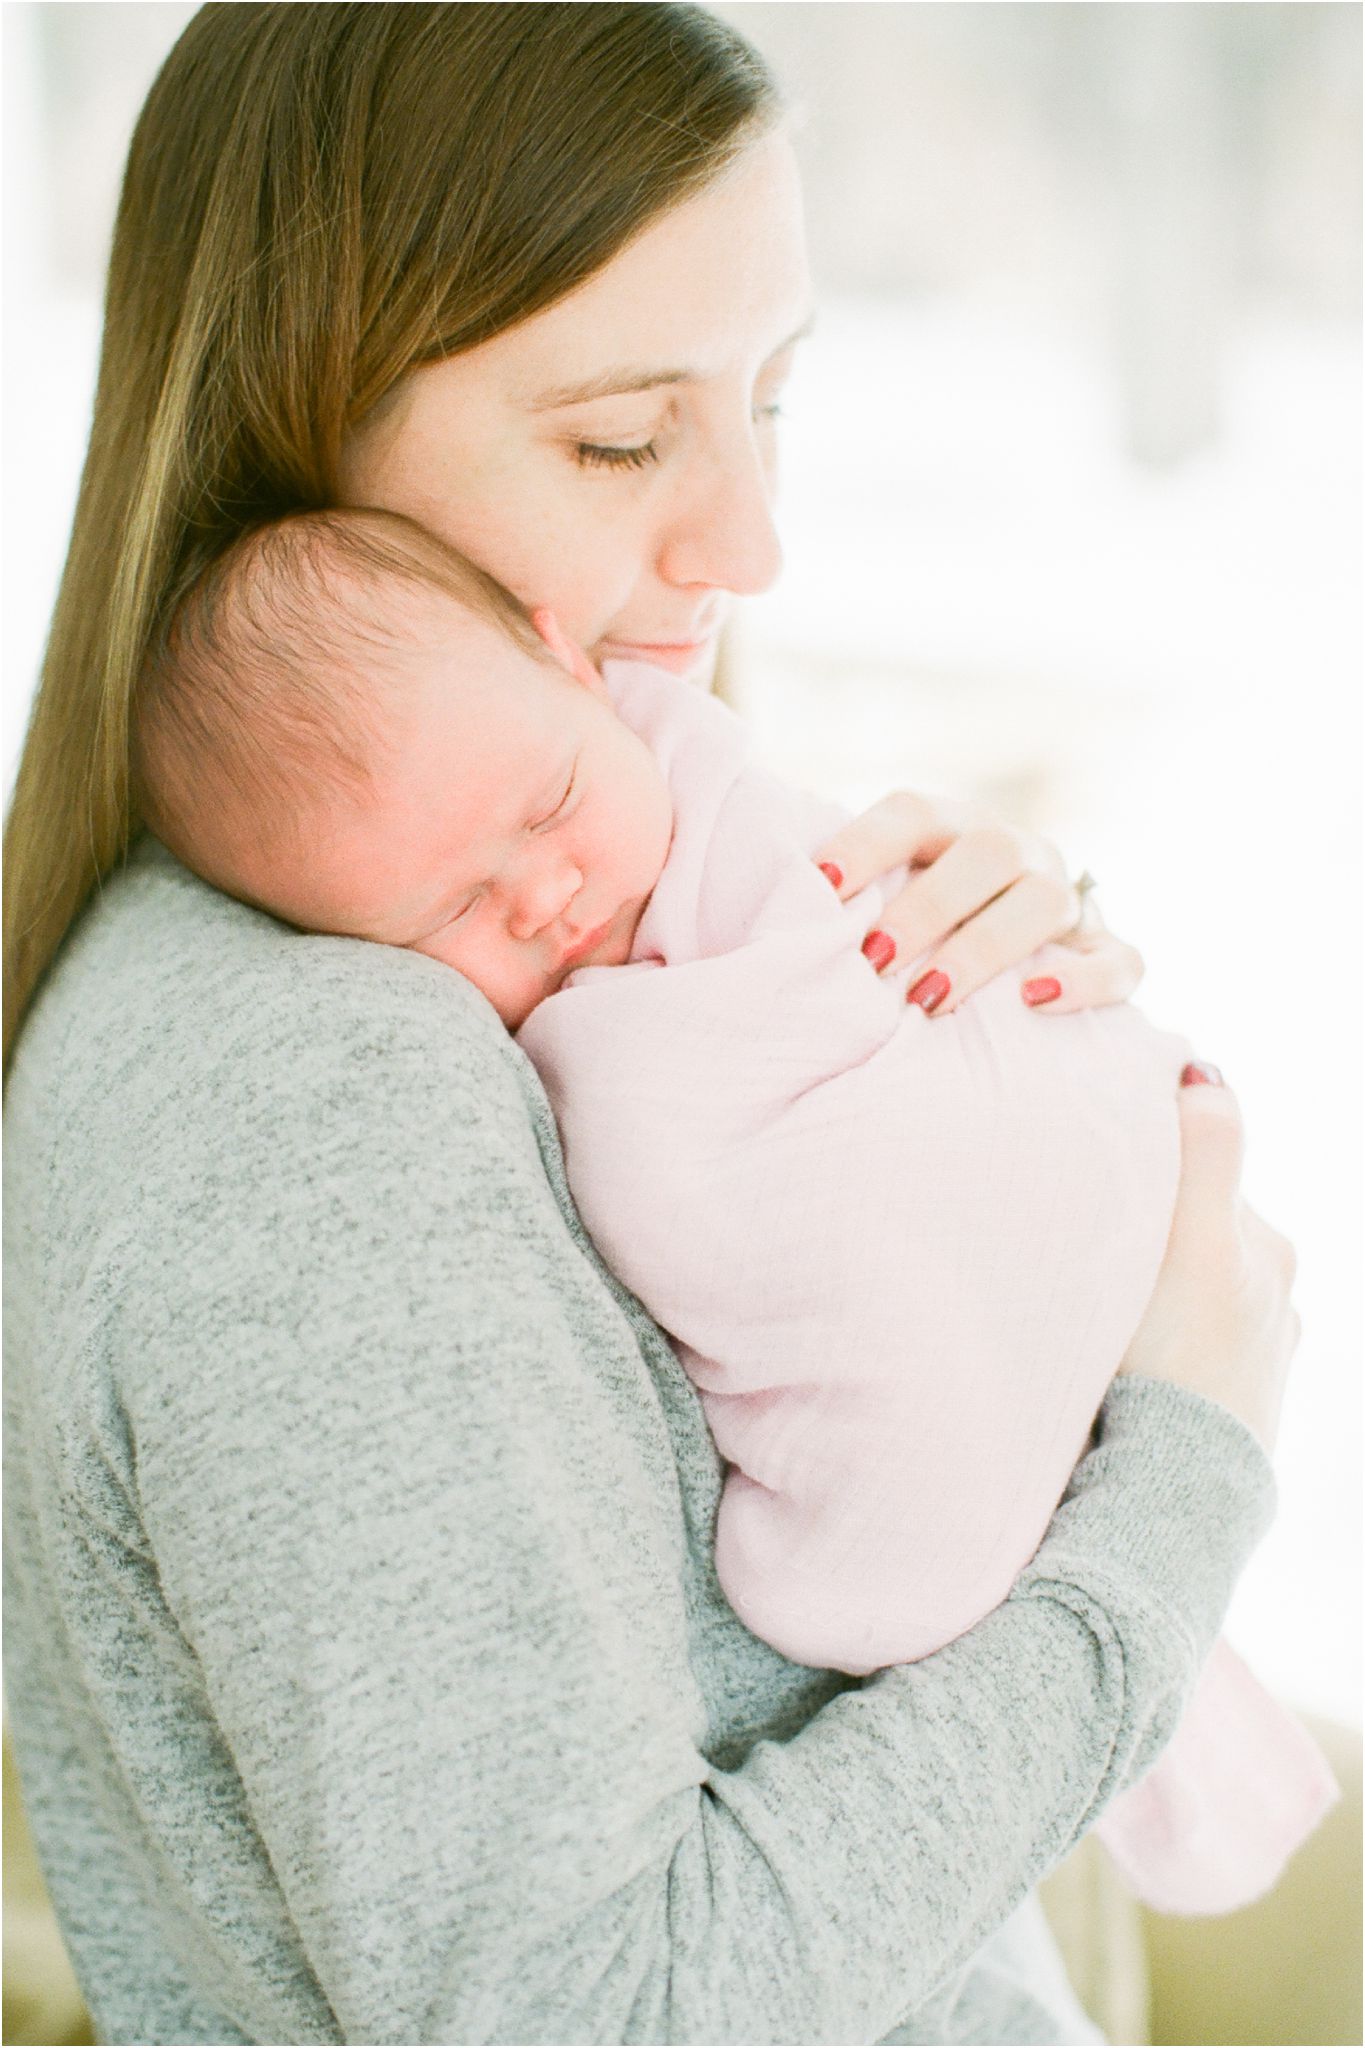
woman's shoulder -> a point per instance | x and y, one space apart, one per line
170 1001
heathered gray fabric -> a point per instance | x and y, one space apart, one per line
369 1676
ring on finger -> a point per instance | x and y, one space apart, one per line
1084 885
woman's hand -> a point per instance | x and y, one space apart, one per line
984 897
1220 1320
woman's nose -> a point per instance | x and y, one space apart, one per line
542 893
724 534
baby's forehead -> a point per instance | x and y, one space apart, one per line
475 672
449 626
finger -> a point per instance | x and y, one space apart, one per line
902 829
1263 1239
1081 974
1016 924
968 877
1211 1151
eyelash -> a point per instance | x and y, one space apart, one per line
462 912
550 817
592 455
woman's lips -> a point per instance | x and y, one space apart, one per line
679 656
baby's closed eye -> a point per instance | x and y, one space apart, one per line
561 809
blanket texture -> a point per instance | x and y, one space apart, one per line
902 1258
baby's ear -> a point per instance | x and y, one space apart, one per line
567 652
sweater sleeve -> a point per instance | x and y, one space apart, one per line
403 1518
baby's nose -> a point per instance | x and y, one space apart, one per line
542 897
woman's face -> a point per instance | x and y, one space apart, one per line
614 457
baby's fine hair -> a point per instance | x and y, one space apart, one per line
266 689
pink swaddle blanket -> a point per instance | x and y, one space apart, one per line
902 1259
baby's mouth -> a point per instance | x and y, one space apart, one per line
582 947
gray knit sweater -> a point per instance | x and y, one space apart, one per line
369 1676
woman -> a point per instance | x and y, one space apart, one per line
369 1673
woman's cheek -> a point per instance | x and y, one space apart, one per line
587 564
594 605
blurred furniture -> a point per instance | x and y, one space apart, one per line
1285 1970
42 2004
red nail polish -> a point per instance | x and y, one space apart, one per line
929 990
1044 990
833 874
880 948
1200 1071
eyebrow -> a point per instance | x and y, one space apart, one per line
617 383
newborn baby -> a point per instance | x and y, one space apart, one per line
902 1258
356 730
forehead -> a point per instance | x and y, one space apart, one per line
721 279
472 676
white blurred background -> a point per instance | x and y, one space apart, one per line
1073 522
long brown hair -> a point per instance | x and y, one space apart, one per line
317 199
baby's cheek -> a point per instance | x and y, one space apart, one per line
503 971
640 816
656 834
515 993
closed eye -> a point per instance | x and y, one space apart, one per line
466 907
592 455
446 919
595 455
558 810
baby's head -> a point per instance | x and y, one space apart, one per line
352 727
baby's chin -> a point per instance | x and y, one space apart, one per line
620 945
614 951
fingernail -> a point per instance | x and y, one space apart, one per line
1200 1070
1044 990
834 874
929 990
880 949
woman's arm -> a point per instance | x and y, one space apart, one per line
413 1507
